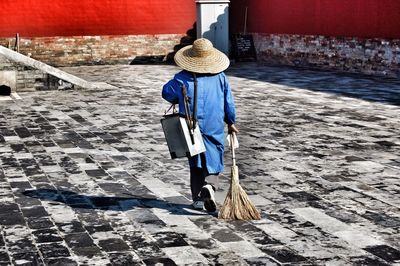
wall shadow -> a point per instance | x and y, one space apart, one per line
148 59
380 89
360 86
216 30
190 37
80 201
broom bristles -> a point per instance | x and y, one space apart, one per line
237 204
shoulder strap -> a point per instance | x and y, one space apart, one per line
195 102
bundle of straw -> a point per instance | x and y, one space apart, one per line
237 205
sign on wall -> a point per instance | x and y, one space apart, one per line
243 47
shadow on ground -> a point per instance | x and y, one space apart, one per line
370 88
79 201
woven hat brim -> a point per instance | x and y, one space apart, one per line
214 62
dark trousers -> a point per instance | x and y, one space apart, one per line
198 178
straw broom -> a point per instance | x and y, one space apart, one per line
237 205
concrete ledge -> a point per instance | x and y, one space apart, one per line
27 61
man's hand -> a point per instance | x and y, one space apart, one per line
232 129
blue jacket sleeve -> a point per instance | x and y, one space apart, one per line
170 92
229 105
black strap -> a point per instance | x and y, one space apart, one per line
195 102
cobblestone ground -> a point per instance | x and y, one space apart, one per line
86 179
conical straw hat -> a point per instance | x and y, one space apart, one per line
201 57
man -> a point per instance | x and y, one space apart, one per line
215 105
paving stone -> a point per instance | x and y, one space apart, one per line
220 234
26 258
87 252
302 196
257 235
244 248
35 212
159 261
4 257
70 228
259 261
113 244
143 245
11 218
106 227
385 252
79 240
224 258
122 259
284 255
61 262
185 255
382 219
86 177
202 243
169 239
46 235
22 132
54 250
20 185
368 261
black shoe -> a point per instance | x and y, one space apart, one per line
207 194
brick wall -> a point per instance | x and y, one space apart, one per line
87 50
82 50
356 55
32 80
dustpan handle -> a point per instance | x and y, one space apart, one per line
232 136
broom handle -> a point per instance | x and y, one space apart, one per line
233 149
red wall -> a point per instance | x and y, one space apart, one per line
352 18
38 18
355 18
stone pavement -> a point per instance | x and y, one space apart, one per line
86 179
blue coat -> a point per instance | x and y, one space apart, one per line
215 106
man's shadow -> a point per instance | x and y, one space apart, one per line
186 40
79 201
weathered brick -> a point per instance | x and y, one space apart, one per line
347 54
88 50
